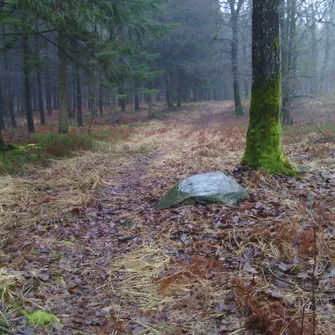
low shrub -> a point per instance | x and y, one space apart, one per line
62 145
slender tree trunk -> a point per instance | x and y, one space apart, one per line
314 79
2 114
112 110
263 144
150 110
40 97
285 52
137 102
234 58
79 98
62 86
27 84
10 90
48 90
11 110
101 105
122 99
179 93
169 95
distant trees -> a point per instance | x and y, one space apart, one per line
263 144
82 57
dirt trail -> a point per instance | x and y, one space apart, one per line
116 266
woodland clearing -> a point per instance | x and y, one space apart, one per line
80 238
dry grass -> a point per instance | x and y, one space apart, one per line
227 280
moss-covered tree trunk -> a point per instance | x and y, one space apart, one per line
263 147
62 86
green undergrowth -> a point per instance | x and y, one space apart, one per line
38 148
41 318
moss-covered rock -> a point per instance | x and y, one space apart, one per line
214 187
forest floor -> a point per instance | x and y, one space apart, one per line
81 241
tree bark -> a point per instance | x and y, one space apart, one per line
137 102
234 56
62 86
48 91
263 143
9 83
27 84
79 98
2 114
40 97
101 105
169 95
112 110
284 38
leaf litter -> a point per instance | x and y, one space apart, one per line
81 240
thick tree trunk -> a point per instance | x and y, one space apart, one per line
27 84
263 144
62 86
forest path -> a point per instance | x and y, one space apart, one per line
111 264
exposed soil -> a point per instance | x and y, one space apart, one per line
108 263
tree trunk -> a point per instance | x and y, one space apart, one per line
112 110
179 93
122 99
150 111
79 99
263 143
137 102
101 105
234 57
27 84
48 90
62 86
169 95
8 74
40 97
2 114
11 110
285 52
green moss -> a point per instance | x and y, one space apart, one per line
276 43
263 149
41 318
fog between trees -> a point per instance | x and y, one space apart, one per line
79 57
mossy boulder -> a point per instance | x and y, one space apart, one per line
205 188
